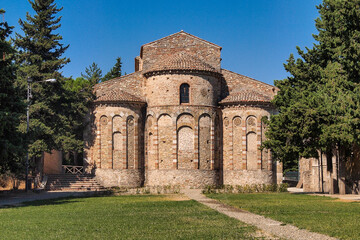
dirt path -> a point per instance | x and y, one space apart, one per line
269 226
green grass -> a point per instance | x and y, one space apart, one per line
119 217
318 214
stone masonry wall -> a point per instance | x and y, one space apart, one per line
243 177
163 90
242 138
116 140
119 177
185 178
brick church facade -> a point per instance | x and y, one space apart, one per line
180 119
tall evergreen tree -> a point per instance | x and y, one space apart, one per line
11 106
319 105
114 71
93 74
40 57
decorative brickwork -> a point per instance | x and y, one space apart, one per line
180 120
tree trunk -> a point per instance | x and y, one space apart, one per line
341 171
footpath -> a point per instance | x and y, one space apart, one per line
267 225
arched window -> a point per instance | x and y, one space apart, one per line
184 93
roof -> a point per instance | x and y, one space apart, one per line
181 61
116 95
181 32
246 95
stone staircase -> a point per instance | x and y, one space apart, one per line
72 182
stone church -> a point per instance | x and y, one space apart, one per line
180 119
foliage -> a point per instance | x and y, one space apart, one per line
79 96
39 57
252 188
314 213
11 106
93 74
114 71
123 217
57 109
319 103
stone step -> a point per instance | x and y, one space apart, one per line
72 182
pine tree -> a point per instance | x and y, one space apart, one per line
11 106
319 103
93 74
40 57
114 71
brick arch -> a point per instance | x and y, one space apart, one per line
251 123
163 114
185 119
185 147
184 93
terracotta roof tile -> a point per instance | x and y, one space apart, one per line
246 95
181 32
181 61
116 95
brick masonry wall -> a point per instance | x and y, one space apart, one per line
181 117
172 143
162 48
163 90
115 128
242 138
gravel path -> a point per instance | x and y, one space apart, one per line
267 225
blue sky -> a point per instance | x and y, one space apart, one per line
257 36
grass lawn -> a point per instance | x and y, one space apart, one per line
318 214
119 217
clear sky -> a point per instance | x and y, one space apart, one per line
257 36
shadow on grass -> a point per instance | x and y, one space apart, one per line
46 198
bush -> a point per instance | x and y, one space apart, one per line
252 188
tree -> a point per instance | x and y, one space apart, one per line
114 71
80 96
40 57
319 103
11 106
93 74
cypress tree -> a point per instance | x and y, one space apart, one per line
114 71
93 74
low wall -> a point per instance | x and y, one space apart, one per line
184 178
248 177
119 177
